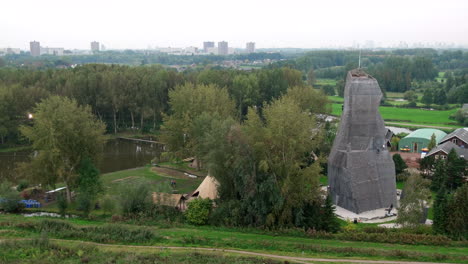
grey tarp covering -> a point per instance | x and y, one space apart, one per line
361 172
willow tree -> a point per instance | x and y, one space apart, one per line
64 134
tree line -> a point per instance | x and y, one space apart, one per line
129 98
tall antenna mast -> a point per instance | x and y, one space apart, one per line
359 67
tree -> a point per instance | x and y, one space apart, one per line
432 142
187 103
440 212
427 97
457 216
311 77
309 99
64 134
449 83
410 96
340 87
88 185
456 168
400 164
413 204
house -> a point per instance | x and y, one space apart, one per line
168 199
442 151
419 139
459 137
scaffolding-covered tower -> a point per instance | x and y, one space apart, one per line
361 172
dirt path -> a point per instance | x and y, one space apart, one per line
241 252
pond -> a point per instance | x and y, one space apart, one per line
119 154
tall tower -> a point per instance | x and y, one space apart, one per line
361 172
35 48
207 45
94 46
223 48
250 47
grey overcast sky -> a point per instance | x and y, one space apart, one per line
269 23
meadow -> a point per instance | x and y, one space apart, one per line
414 116
394 245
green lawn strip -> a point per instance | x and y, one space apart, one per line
277 244
246 240
331 82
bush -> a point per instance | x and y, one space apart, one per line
84 204
62 204
9 199
402 177
134 199
22 185
198 211
100 234
108 204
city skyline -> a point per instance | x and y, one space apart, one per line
270 24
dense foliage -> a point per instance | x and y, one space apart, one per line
128 98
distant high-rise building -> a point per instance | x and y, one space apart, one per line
35 48
223 48
94 46
250 47
207 45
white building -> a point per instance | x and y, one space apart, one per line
52 51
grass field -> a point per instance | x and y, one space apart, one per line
156 182
440 77
331 82
292 243
410 115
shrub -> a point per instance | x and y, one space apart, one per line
108 204
9 199
198 211
84 203
62 204
101 234
22 185
134 199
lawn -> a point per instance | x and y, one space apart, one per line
156 182
321 82
410 115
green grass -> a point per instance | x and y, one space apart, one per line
145 175
440 77
321 82
293 243
410 115
335 99
45 251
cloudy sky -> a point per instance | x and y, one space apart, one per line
269 23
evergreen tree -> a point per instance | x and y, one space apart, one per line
439 175
440 212
455 171
329 220
457 214
432 143
400 164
